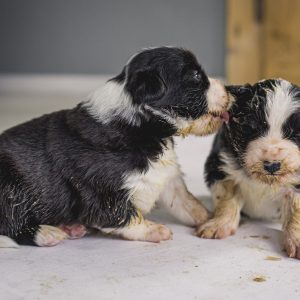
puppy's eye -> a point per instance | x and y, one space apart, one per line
196 75
292 128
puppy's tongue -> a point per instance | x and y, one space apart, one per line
225 117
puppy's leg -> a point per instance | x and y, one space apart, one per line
140 229
291 224
182 204
227 212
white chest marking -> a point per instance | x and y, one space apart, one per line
145 188
260 200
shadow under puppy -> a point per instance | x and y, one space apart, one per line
106 162
254 158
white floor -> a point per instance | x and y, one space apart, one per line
249 265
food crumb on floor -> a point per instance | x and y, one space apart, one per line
264 237
273 258
259 278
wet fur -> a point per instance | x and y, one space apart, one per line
73 166
264 125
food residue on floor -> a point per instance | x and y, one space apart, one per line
273 258
259 278
264 237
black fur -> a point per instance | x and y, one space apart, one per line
67 167
168 79
291 129
247 122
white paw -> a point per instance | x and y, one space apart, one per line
157 232
6 242
75 231
49 236
291 244
216 229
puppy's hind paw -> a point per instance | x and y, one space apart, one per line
146 231
48 236
157 232
216 229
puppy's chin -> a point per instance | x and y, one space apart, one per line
205 125
283 177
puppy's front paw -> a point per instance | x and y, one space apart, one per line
75 231
291 243
216 228
157 232
48 236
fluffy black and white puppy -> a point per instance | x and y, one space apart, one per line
254 158
106 162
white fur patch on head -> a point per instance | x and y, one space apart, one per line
280 106
272 146
111 101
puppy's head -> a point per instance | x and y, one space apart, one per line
169 83
264 128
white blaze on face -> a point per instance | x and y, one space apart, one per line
280 106
217 99
273 146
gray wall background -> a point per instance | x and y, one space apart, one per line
95 36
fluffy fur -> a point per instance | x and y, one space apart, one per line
254 160
105 163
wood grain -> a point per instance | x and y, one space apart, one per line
243 59
282 39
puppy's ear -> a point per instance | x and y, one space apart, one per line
244 95
145 86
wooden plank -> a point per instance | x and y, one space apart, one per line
243 57
282 39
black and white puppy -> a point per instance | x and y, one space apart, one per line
106 162
254 158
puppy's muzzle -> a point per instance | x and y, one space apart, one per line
272 166
217 98
273 161
218 102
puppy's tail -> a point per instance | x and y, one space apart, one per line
7 242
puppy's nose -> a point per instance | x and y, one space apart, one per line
272 166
